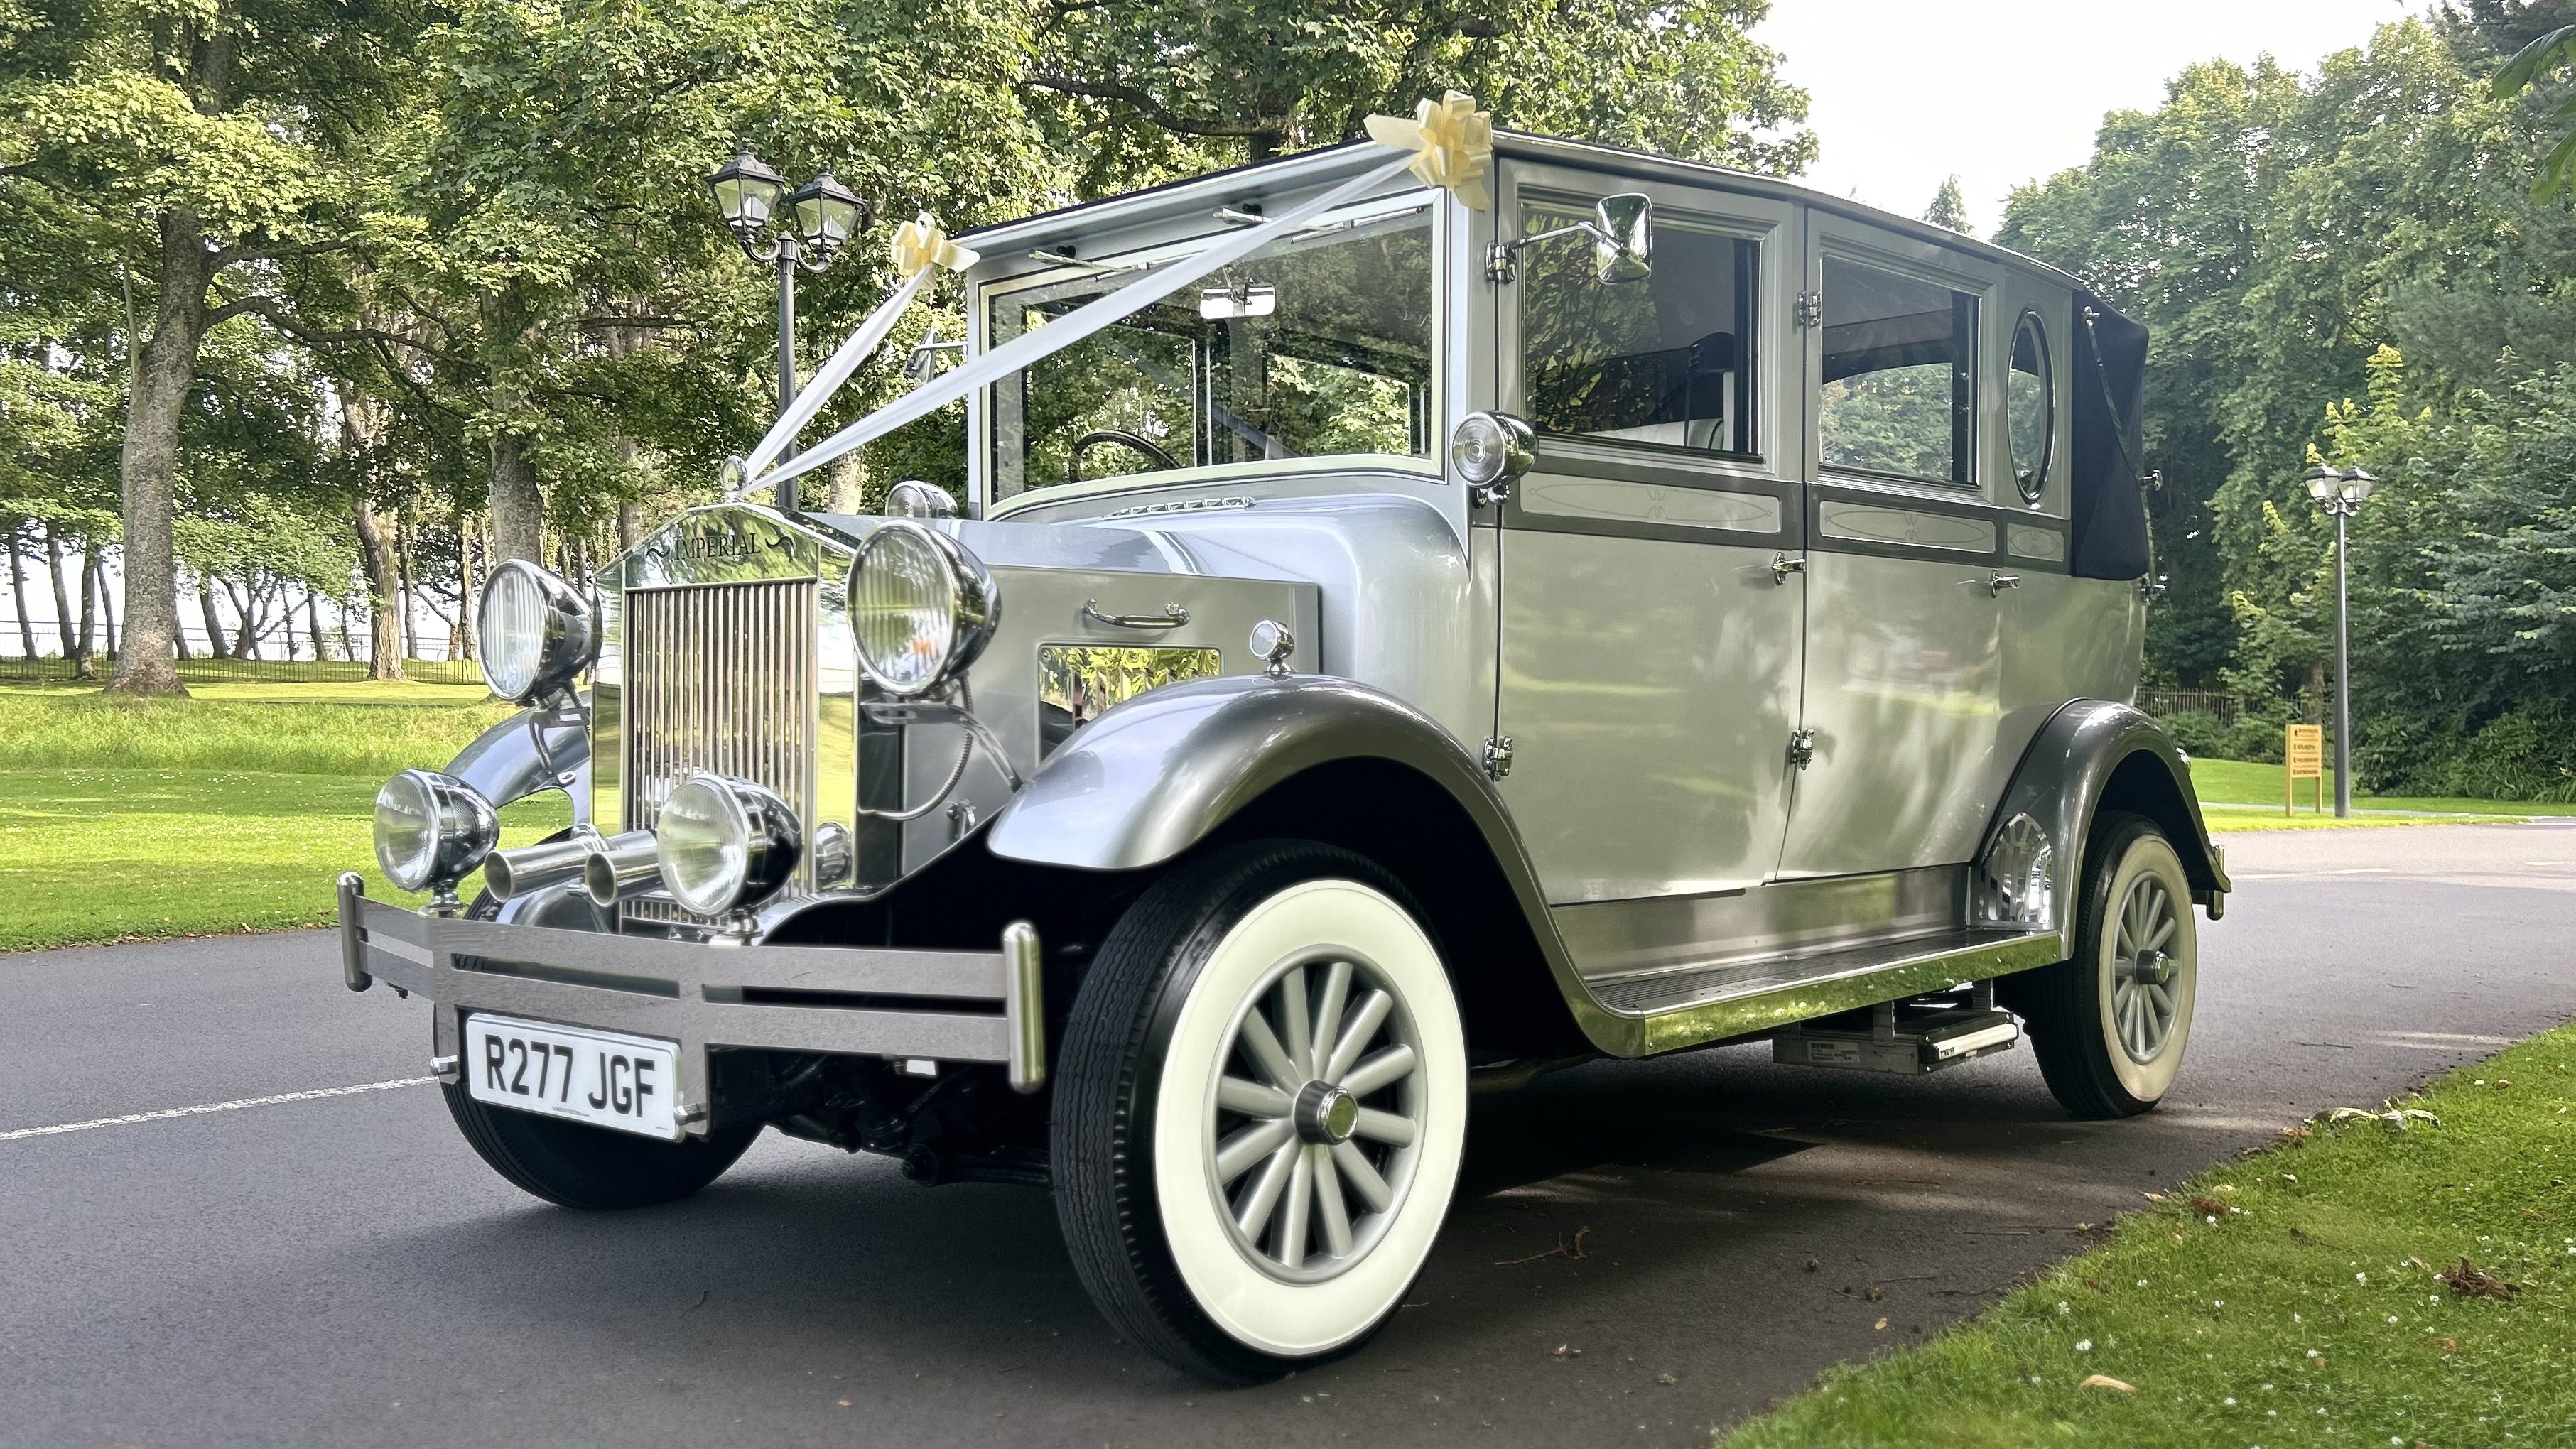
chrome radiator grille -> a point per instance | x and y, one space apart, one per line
720 677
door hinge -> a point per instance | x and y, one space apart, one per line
1802 747
1500 265
1785 565
1811 309
1498 756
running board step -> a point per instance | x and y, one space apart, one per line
1907 1038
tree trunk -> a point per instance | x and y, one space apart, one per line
518 506
468 531
18 590
107 611
245 642
216 648
62 599
89 613
313 623
165 372
410 607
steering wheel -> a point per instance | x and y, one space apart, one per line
1120 436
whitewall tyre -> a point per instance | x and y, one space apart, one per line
2110 1025
1260 1109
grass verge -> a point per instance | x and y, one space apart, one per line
2360 1285
90 856
353 729
2236 782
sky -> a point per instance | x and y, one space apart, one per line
1907 92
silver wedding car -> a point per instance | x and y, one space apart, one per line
1643 607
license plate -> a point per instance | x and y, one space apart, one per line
603 1078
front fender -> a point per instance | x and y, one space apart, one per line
1154 776
542 747
2095 753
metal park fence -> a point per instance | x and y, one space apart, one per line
2163 703
45 653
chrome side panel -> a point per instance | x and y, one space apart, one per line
1649 686
536 749
1904 692
2059 785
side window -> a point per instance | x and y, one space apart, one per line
2030 407
1900 382
1667 360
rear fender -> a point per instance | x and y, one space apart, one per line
2095 755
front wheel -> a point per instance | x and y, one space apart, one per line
1261 1110
2110 1024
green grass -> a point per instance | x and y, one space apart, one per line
111 855
354 729
232 810
2300 1280
2235 782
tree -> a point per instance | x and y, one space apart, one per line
1171 85
216 139
1949 208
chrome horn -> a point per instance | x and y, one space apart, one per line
510 874
621 868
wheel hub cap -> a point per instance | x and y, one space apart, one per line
1326 1114
2145 996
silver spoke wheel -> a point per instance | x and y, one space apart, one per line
2144 963
1316 1115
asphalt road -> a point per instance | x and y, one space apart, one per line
340 1270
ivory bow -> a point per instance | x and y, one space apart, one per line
1453 140
919 243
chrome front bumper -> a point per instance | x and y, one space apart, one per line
947 1006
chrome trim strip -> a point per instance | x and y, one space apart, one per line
1889 981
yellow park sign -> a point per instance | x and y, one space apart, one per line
2303 751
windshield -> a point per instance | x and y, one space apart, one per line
1317 344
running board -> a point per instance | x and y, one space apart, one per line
1642 1017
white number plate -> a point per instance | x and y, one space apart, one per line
600 1077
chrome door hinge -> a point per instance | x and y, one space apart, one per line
1783 565
1498 756
1811 309
1802 747
1500 265
1997 583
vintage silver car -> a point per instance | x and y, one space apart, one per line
1658 607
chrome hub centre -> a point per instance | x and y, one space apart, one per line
1326 1114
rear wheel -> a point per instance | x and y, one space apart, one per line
1260 1111
2109 1026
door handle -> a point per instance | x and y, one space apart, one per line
1783 565
1172 617
1996 585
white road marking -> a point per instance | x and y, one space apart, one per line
236 1106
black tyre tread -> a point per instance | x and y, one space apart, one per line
1104 1187
2058 1001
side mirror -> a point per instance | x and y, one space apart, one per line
1623 237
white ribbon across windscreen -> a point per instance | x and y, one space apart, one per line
1038 343
861 346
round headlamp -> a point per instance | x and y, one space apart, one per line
432 829
1491 448
536 632
921 606
724 843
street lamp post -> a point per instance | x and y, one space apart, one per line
2341 495
822 216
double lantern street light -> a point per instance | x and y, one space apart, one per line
821 217
2341 495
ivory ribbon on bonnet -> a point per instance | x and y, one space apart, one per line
1450 144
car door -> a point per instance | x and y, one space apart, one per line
1648 646
1905 568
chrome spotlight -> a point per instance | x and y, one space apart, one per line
431 831
913 498
724 844
537 632
921 606
2017 879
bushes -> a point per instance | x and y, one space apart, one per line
2252 739
2527 753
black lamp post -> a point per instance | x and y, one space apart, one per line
820 219
2341 495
